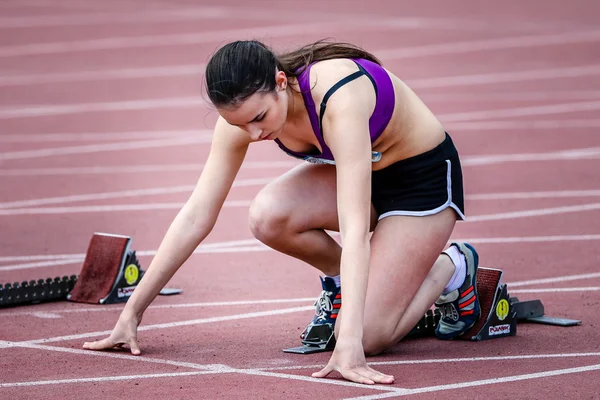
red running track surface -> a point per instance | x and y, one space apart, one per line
104 127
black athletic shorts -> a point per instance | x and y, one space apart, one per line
421 185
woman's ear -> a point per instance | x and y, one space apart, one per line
281 80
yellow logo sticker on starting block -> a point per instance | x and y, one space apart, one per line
132 274
502 309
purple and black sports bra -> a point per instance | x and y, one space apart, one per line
384 108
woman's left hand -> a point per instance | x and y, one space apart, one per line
349 360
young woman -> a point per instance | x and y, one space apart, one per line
379 161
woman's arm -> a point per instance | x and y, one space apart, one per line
197 217
346 127
189 228
352 153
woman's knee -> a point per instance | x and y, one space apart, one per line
267 218
376 340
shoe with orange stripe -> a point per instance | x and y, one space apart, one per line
327 305
460 308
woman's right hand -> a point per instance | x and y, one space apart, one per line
124 332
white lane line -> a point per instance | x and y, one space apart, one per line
216 13
524 125
194 14
504 77
98 196
57 313
120 356
161 306
566 278
31 265
183 39
117 378
521 111
357 24
110 208
483 382
97 148
534 213
512 97
197 70
100 136
74 5
246 203
385 388
125 193
558 290
489 44
88 19
31 111
251 242
532 239
45 315
47 257
450 360
200 250
206 368
573 154
467 161
133 169
234 317
533 195
130 169
194 70
80 256
28 111
255 246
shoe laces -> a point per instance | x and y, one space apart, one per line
323 306
449 311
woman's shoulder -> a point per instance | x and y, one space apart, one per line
327 73
324 74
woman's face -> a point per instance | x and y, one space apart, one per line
263 114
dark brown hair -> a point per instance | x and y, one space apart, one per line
241 68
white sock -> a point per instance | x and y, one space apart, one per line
336 279
460 271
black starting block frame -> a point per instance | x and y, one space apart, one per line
500 315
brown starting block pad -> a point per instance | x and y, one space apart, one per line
109 274
498 317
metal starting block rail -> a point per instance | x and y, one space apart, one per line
499 316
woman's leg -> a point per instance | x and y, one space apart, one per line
292 213
407 271
407 274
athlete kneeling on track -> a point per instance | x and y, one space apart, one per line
378 161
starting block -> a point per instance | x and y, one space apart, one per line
499 312
499 316
110 273
318 338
